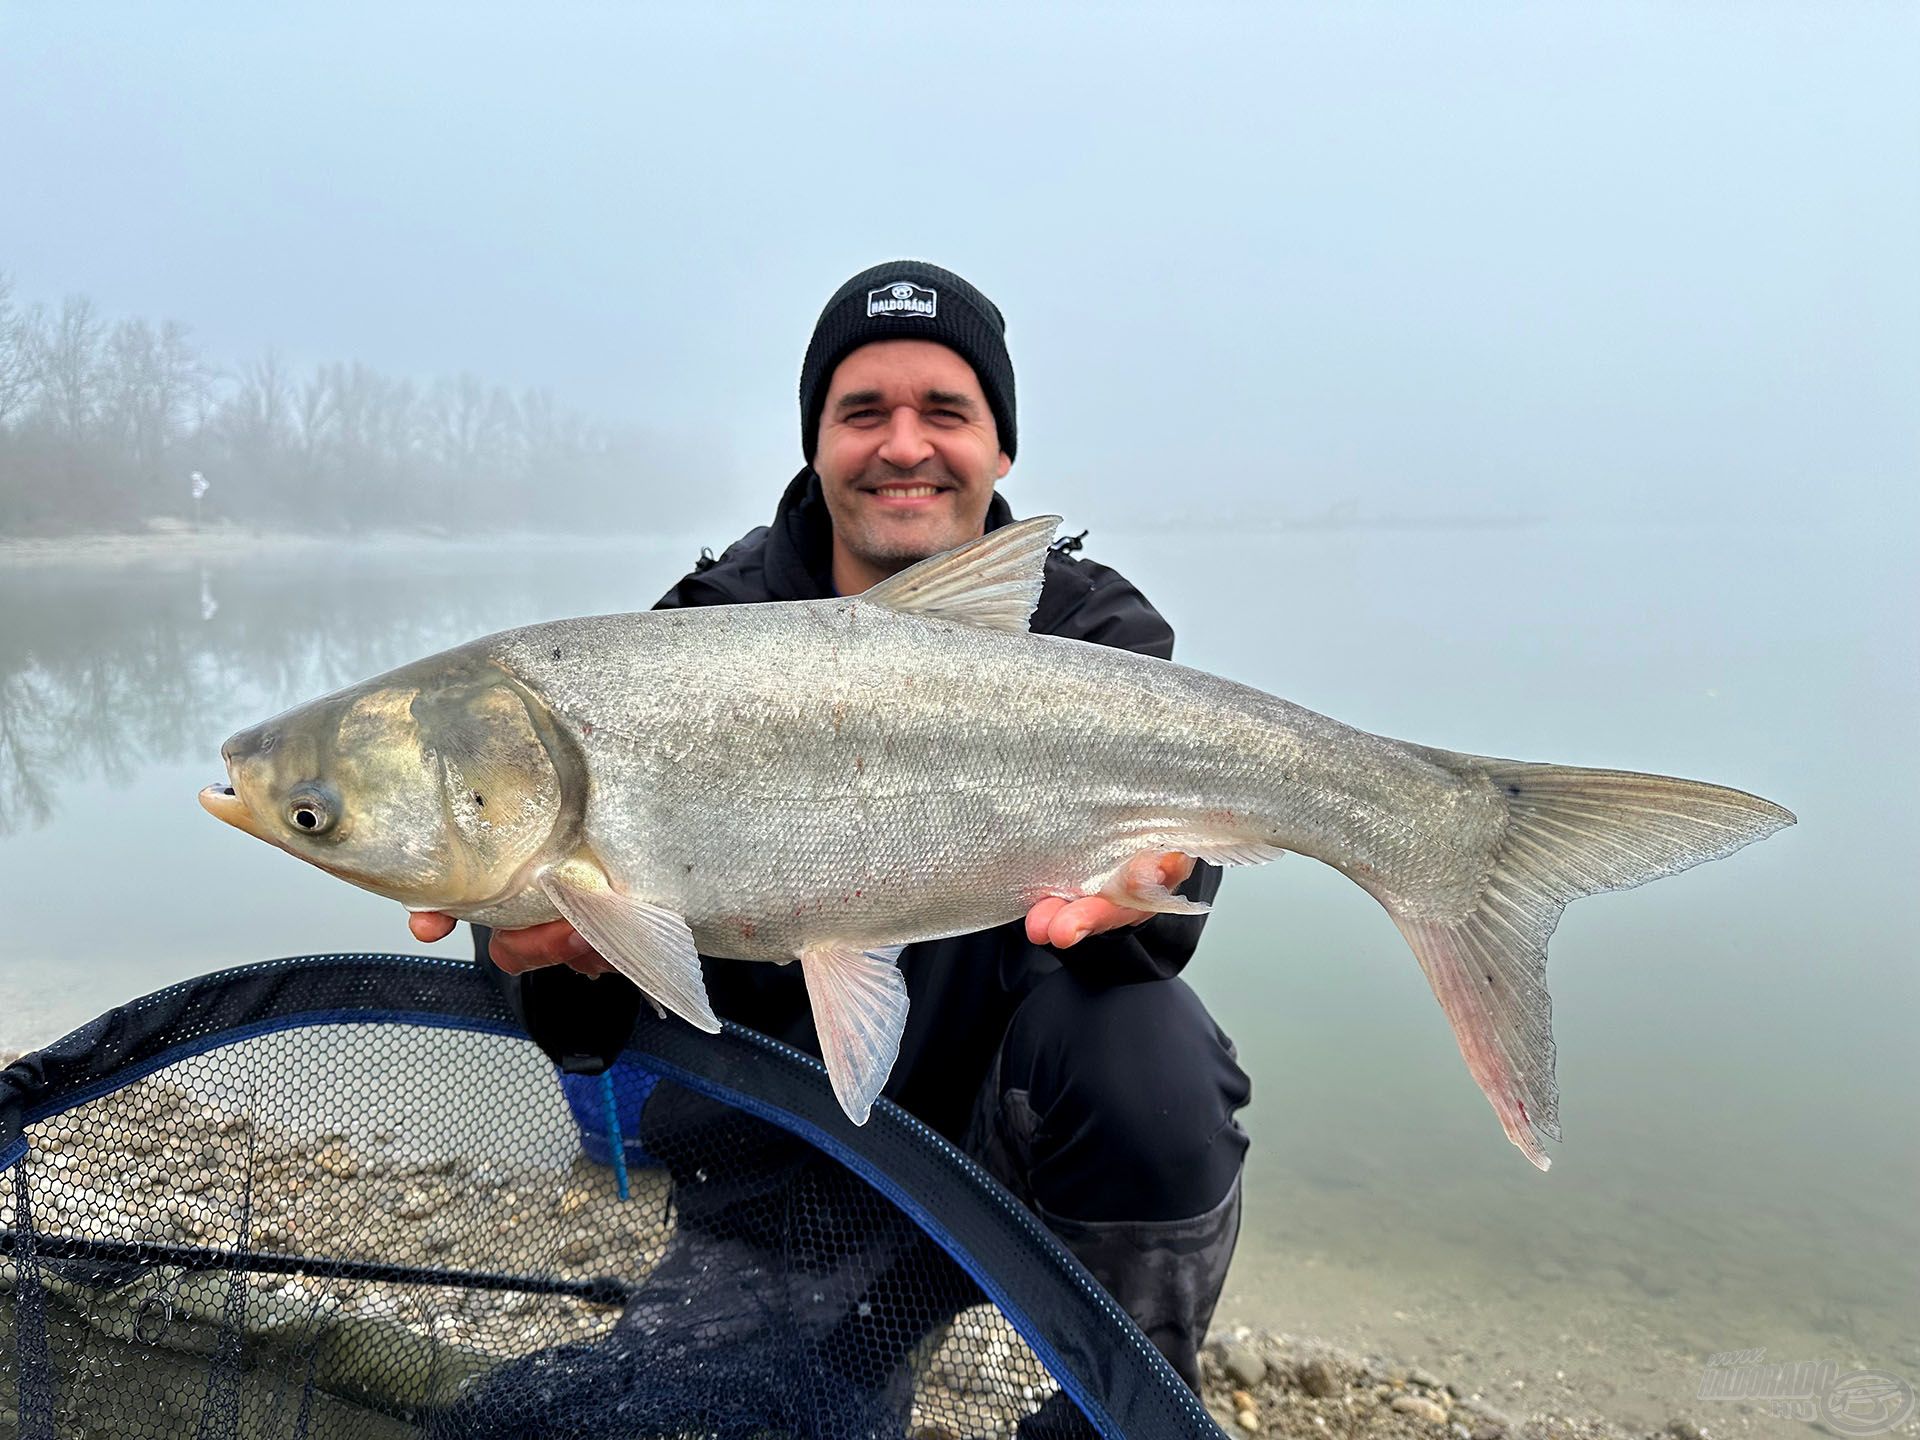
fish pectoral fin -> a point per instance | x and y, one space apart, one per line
1140 885
651 946
993 582
859 1009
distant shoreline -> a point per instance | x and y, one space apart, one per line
214 542
188 546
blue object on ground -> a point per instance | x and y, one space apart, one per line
615 1146
587 1097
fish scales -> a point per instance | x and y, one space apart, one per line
882 778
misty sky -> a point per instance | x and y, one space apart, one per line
1585 261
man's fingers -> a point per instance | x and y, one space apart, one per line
1091 915
430 925
554 943
1040 919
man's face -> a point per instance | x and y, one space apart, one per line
908 454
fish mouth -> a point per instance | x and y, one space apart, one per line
223 802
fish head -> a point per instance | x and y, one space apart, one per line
436 785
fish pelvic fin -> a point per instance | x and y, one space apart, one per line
651 946
993 582
1570 832
859 1011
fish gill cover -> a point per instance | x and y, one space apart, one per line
339 1197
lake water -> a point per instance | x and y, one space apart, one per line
1736 1046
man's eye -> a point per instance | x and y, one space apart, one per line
948 417
863 417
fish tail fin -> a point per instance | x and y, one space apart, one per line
1570 832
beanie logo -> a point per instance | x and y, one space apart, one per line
901 298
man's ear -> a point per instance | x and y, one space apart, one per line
1006 464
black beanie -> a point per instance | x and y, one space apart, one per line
908 300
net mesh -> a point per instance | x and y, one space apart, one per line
378 1229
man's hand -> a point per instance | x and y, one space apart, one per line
518 951
1053 921
1061 923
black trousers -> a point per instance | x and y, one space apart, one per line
1110 1113
1109 1110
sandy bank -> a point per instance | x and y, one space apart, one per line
182 545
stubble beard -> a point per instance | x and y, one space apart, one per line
871 540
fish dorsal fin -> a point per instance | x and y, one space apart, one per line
993 582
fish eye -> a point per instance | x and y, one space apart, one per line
310 811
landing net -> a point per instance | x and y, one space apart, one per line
342 1197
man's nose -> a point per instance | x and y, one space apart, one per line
906 444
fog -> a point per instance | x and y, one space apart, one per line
1529 380
1366 263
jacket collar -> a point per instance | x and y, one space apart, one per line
799 553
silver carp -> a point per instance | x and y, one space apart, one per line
830 780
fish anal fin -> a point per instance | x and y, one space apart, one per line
1230 851
651 946
993 582
859 1010
1140 883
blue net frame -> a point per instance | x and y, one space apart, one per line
343 1195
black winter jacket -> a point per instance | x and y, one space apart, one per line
962 991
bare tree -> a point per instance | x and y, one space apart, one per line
99 427
150 380
68 356
18 360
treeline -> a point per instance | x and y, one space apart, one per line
103 426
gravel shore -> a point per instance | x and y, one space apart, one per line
1266 1384
166 1176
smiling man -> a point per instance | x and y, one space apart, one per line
1062 1051
908 455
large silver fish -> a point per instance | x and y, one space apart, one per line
829 779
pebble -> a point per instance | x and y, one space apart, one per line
1245 1364
1242 1400
1318 1379
1426 1379
1420 1408
579 1249
438 1238
337 1161
1248 1421
418 1205
1486 1414
1684 1429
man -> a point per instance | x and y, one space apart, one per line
1061 1051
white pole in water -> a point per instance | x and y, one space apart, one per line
199 488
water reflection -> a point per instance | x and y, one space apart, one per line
103 673
1736 1060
